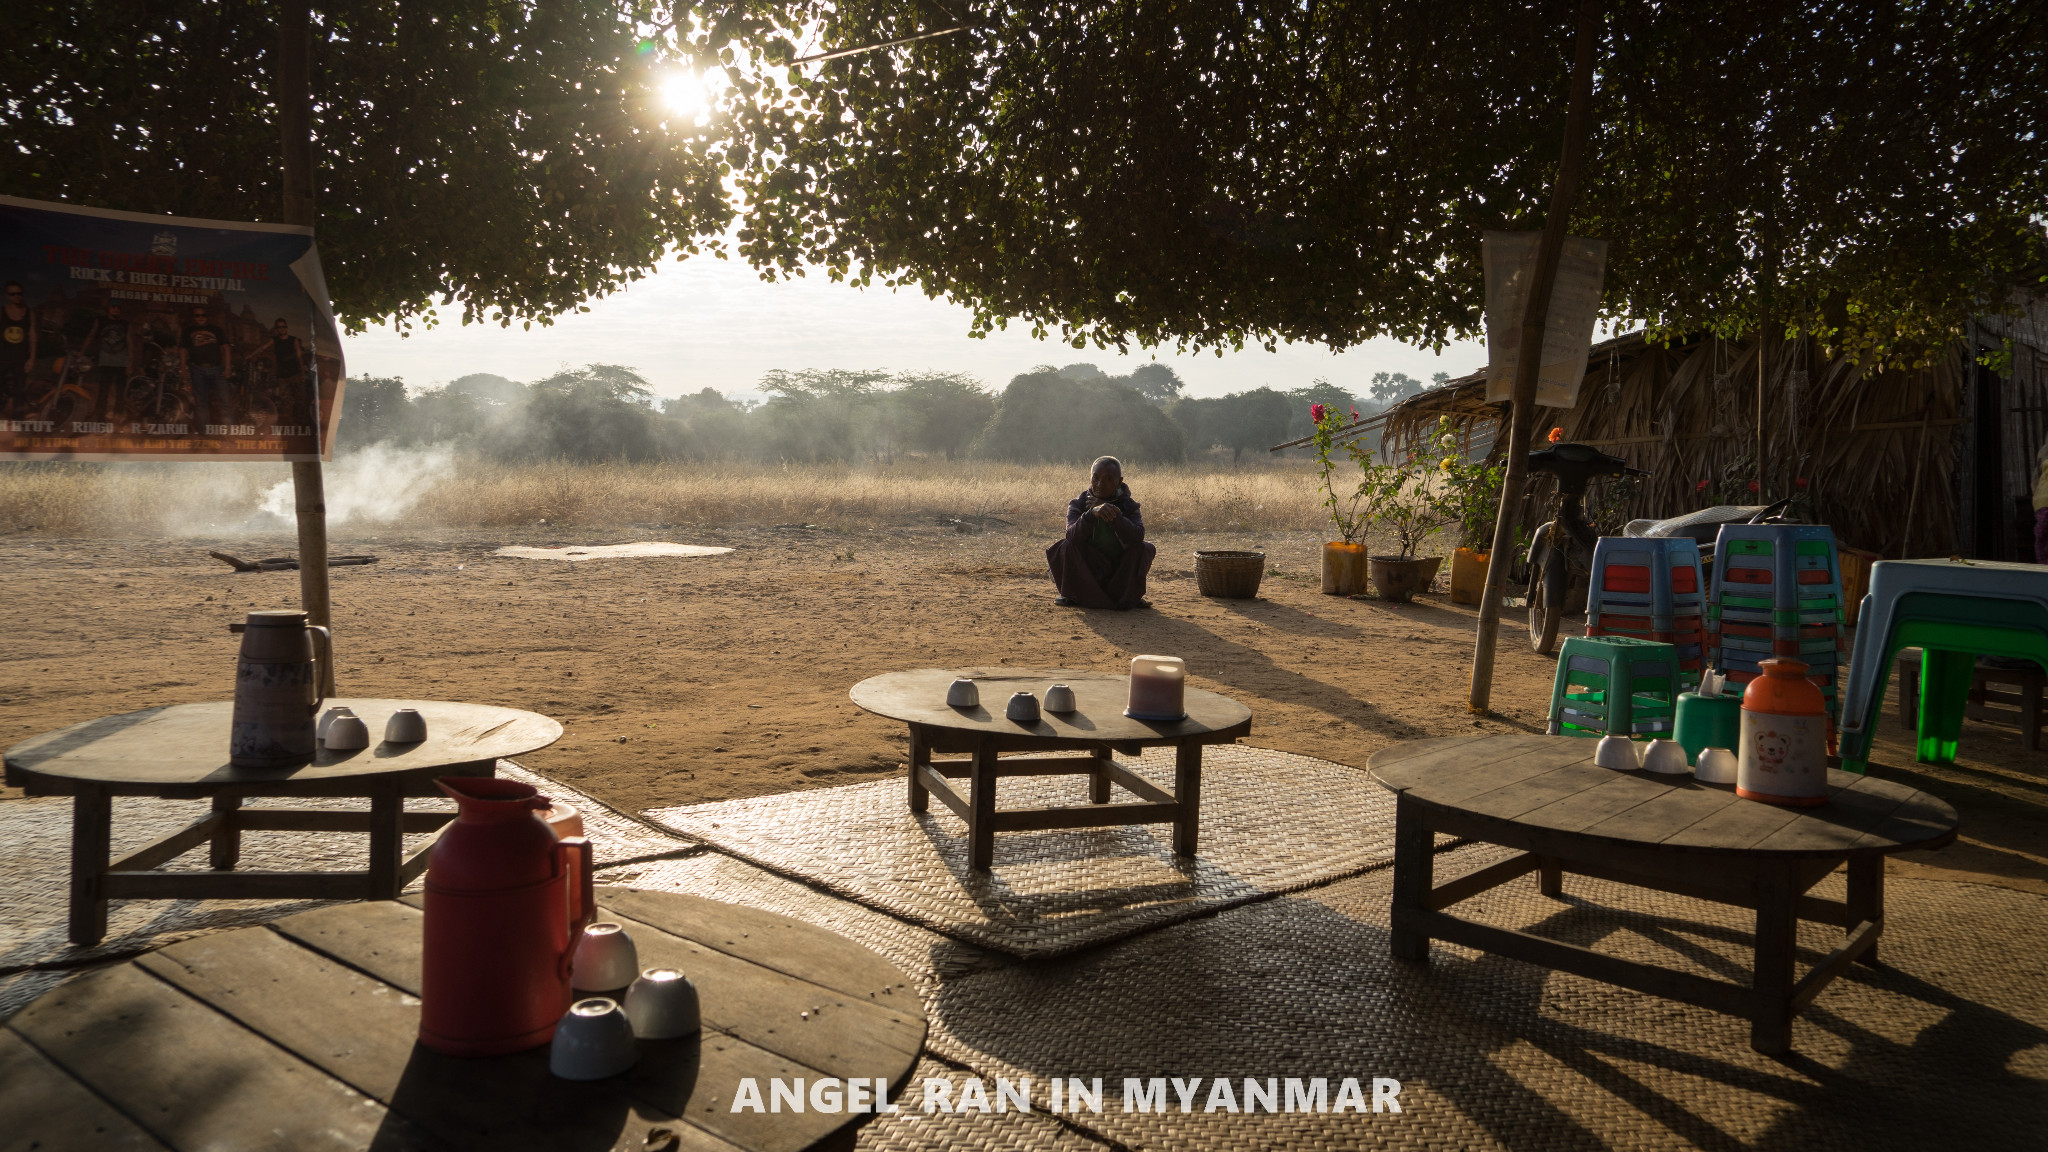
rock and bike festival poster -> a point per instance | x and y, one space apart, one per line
125 336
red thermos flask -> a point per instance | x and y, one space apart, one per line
506 905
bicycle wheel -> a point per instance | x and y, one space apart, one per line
1546 605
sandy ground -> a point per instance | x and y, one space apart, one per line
684 680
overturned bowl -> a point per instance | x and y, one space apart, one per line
1666 758
1616 752
1717 766
406 726
1023 708
962 694
1059 698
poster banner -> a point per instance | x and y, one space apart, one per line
125 336
1568 331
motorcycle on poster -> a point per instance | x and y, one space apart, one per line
126 336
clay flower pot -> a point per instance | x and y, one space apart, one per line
1399 580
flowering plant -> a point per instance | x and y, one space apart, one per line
1472 488
1350 513
1418 496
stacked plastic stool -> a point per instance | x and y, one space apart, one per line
1954 611
1650 588
1615 685
1777 591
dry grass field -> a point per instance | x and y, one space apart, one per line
434 490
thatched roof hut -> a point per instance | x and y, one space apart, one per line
1932 461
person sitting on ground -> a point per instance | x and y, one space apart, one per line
1103 561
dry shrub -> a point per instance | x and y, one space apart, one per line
184 499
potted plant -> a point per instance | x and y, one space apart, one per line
1413 499
1344 562
1472 487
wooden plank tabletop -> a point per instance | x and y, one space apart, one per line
185 746
918 696
303 1035
1551 783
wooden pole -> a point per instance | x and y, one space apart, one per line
294 96
1761 349
1529 357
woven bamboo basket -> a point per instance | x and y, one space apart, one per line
1229 574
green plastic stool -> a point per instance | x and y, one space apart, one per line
1952 632
1614 686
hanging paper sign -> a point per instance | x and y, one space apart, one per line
125 336
1568 331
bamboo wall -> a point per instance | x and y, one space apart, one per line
1869 445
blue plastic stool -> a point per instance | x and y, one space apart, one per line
1954 611
1776 591
1652 576
1649 588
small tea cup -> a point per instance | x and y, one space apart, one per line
1717 766
1023 708
330 716
1616 752
347 733
406 726
1059 698
1666 758
962 694
605 959
662 1004
561 819
593 1040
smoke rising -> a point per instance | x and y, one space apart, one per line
374 485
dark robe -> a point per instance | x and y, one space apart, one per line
1102 565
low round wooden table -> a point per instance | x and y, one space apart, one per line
1097 725
1544 795
181 752
302 1035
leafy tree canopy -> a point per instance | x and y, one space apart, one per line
512 158
1159 172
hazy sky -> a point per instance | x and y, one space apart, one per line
705 322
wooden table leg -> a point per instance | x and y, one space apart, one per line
981 810
1550 878
387 842
224 850
1770 1030
920 756
1187 790
1098 781
92 819
1866 897
1413 877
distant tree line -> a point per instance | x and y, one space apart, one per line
603 412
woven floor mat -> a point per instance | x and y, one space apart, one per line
35 848
1944 1046
923 954
1272 822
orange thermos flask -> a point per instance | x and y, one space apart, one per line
1784 753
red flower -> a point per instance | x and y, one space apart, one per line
1556 434
1700 487
1799 483
1315 412
1752 486
1354 415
